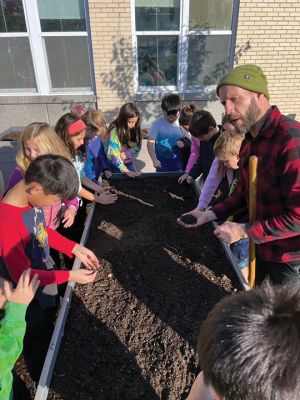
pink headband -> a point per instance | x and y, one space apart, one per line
76 127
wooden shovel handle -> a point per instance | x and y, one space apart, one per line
253 161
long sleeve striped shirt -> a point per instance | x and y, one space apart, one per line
119 154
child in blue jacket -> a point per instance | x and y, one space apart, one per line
95 157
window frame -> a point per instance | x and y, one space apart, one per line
39 54
183 37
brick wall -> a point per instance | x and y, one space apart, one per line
112 51
268 34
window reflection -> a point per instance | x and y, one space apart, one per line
16 64
68 62
12 17
163 15
157 60
62 16
212 14
207 59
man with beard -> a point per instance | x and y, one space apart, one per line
275 140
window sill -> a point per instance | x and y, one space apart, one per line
47 99
187 95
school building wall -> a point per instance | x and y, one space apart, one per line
268 34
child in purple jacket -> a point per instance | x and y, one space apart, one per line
38 139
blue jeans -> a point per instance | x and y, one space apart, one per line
240 251
130 166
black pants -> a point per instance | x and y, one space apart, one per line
277 273
20 391
40 325
73 233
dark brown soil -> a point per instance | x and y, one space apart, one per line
132 334
188 219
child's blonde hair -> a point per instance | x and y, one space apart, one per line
95 120
228 143
46 140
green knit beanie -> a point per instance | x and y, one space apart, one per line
249 77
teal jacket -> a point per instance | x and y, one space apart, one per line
12 332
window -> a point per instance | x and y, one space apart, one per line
183 45
46 47
16 65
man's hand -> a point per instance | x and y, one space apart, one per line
106 197
132 174
25 290
202 218
69 217
82 276
156 164
86 256
231 232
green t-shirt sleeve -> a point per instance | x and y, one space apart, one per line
12 331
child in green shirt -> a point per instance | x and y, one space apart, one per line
13 326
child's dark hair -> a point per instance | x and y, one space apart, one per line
171 102
95 122
127 111
61 129
200 123
249 345
186 114
55 174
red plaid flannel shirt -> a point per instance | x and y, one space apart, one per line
277 226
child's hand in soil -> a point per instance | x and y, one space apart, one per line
82 276
69 217
25 290
106 197
102 189
182 178
86 256
199 218
156 164
132 174
186 177
107 173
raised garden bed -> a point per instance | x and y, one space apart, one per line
12 136
132 334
